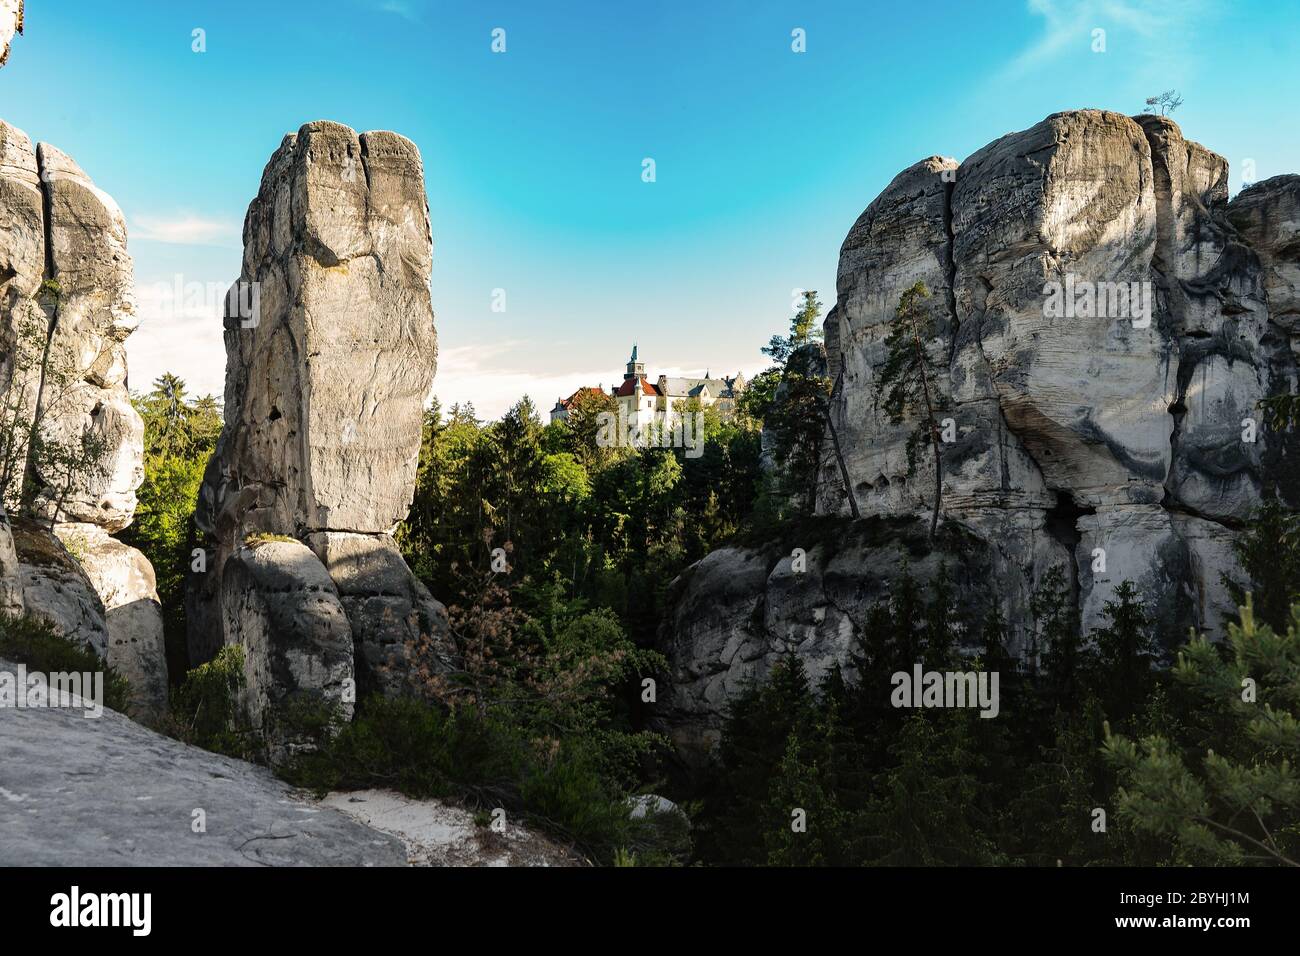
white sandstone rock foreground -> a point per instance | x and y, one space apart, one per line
330 356
66 284
79 791
1124 431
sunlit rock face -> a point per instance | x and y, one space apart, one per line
66 308
11 22
1102 323
330 356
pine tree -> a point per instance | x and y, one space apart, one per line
909 382
1126 652
1241 805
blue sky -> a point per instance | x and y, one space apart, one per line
533 158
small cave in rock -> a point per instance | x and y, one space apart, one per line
1063 520
275 415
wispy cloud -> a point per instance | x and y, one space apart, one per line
400 8
186 230
1068 26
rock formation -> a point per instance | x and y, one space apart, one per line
330 355
1105 322
66 308
107 790
11 22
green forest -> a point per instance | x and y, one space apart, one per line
1109 749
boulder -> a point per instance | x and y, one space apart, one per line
280 606
399 630
55 587
124 580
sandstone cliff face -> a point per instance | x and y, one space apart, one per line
1123 428
11 22
330 356
66 308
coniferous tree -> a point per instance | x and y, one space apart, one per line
909 382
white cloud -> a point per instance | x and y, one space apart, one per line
180 332
186 230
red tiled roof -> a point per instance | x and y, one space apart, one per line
580 393
630 385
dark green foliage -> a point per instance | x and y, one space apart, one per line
204 709
180 435
487 760
1269 550
1237 800
35 643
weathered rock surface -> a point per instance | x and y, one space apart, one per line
735 613
397 625
11 22
11 586
1267 215
1120 426
282 608
56 588
66 281
76 791
325 386
330 356
124 581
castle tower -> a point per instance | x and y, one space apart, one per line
635 369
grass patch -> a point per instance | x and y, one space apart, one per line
265 537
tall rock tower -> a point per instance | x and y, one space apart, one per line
67 305
330 355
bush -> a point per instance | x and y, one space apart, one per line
205 709
35 643
484 761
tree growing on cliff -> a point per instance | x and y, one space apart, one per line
908 382
794 396
1164 104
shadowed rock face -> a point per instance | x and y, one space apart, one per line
66 282
330 355
1118 427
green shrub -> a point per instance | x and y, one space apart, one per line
484 761
205 708
35 643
